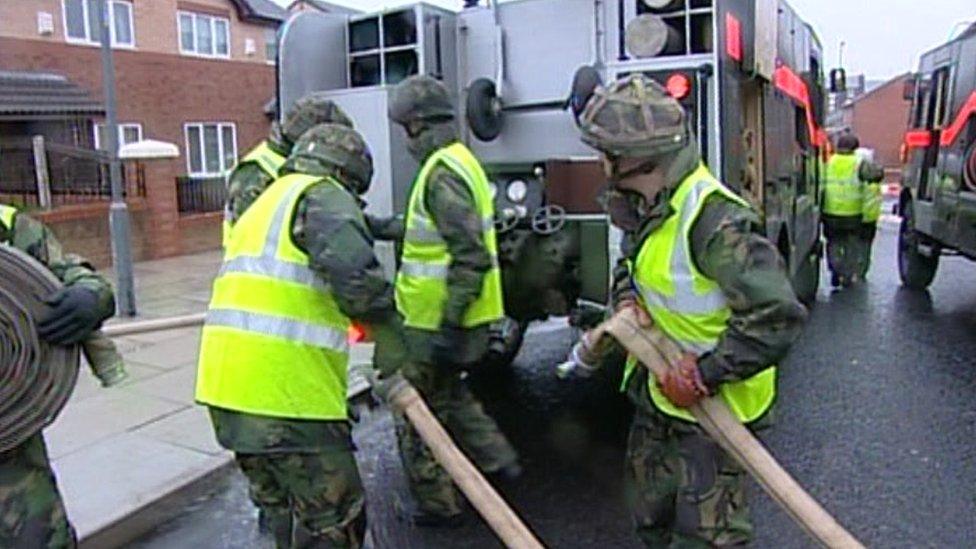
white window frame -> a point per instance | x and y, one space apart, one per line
213 34
122 127
87 41
203 148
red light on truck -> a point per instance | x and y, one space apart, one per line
678 85
733 37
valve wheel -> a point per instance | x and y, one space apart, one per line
505 223
549 219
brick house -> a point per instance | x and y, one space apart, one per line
878 117
196 73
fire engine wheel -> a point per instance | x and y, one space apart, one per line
484 110
505 341
915 269
969 171
806 281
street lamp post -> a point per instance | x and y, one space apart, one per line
118 212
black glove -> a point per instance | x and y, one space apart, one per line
447 347
74 314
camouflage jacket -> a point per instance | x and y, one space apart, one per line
33 237
766 316
330 227
247 182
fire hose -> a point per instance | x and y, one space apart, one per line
658 353
36 379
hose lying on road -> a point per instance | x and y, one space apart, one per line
657 352
500 517
36 379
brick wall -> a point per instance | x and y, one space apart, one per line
154 25
879 119
161 91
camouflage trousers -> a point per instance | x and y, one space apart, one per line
683 489
450 399
867 234
847 252
312 500
31 511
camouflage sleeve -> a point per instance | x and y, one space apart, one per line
36 239
386 228
870 172
451 204
246 184
766 314
330 227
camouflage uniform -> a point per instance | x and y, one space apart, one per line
302 473
31 511
452 206
247 181
684 490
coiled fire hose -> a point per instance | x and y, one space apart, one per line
36 379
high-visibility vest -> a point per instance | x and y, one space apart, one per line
844 190
421 283
689 307
873 199
269 161
274 342
7 214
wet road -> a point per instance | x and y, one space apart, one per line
876 418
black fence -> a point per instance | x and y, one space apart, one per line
197 195
75 175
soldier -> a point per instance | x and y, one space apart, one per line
873 175
31 511
844 205
448 290
701 273
259 168
297 270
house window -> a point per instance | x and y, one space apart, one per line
128 134
204 35
211 148
81 22
271 45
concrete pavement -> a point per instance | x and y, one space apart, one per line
117 450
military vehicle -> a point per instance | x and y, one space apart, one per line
938 199
750 72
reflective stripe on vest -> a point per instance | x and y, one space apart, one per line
421 284
687 306
873 199
843 191
269 161
274 343
7 214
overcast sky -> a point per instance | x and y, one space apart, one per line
884 37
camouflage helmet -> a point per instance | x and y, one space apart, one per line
309 111
420 98
340 147
634 117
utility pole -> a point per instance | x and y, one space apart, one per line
118 213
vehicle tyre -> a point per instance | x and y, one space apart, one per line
915 269
505 342
484 110
806 281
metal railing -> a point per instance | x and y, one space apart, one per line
197 195
46 175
